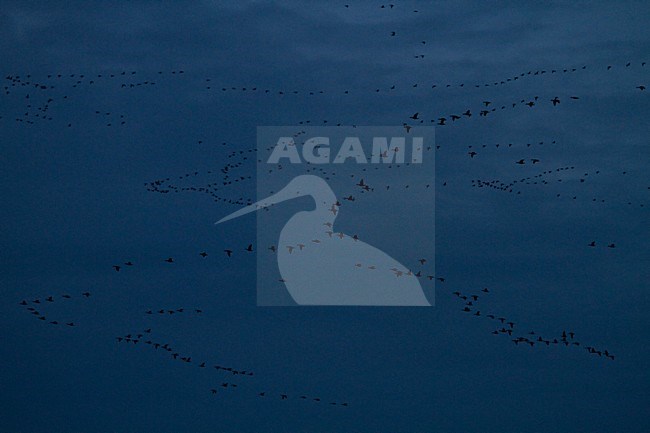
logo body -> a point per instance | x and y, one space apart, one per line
309 178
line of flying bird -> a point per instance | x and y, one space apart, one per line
47 85
32 307
506 327
145 338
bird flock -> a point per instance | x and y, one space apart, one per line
42 99
145 337
40 95
217 187
502 326
471 301
223 386
37 307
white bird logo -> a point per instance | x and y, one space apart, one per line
326 272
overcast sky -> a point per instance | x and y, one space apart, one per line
140 98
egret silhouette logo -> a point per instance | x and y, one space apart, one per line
331 210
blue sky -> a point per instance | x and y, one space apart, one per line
77 203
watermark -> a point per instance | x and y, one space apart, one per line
316 150
337 216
